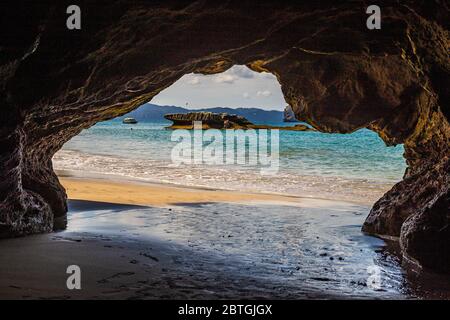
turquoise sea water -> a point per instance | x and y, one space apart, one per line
355 166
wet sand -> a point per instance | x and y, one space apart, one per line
198 244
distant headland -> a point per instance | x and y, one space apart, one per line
155 113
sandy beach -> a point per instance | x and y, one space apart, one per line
148 241
150 194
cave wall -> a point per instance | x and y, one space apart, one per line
336 74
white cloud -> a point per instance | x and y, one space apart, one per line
194 81
265 93
241 72
224 78
233 88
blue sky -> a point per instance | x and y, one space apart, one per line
237 87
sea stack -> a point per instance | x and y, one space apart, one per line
289 115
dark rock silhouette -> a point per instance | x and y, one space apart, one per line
208 120
336 75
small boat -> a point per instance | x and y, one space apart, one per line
129 121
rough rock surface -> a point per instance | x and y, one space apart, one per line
335 74
208 120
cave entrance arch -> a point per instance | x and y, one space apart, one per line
355 167
337 76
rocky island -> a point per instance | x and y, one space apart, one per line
212 120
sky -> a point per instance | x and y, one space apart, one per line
237 87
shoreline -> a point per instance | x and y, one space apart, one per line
128 191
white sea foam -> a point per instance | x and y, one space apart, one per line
240 178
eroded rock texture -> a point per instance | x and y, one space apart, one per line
335 73
208 120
